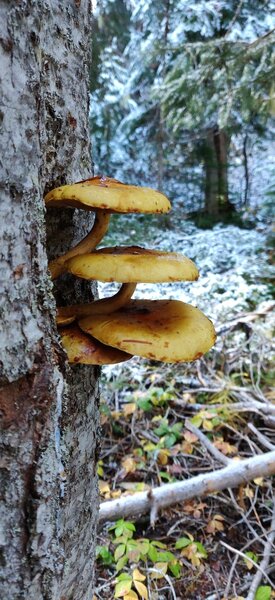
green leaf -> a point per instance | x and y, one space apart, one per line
263 592
143 546
182 543
159 544
162 429
253 557
201 549
166 476
119 530
165 556
170 440
153 553
124 577
197 421
103 553
122 539
175 568
144 405
121 563
130 526
120 550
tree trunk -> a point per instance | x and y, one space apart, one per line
215 154
246 172
49 411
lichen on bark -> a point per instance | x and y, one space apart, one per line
49 411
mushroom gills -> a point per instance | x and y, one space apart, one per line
84 349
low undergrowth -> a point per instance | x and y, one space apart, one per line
211 547
206 548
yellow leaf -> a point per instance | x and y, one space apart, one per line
129 408
248 492
208 425
122 588
225 447
161 570
187 397
100 471
104 487
116 414
131 596
142 590
215 524
137 575
129 464
115 494
163 456
190 437
259 480
187 448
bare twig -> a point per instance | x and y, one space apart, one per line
265 560
250 560
265 442
167 579
207 444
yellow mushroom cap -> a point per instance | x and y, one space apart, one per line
109 195
133 264
166 330
83 349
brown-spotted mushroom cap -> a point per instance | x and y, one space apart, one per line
83 349
165 330
109 195
133 264
104 196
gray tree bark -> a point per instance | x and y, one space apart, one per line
49 416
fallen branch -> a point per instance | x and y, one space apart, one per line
233 475
245 406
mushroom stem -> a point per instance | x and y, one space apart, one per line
103 306
89 243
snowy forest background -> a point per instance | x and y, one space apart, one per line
183 100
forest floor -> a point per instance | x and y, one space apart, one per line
202 548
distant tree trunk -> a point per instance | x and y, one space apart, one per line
246 172
48 410
215 153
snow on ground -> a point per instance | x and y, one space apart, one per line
233 264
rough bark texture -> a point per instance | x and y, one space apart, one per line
49 411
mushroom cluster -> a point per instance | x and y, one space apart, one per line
112 330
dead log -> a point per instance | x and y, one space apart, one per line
235 474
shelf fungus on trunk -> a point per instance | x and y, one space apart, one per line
86 350
104 196
165 330
113 329
128 265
